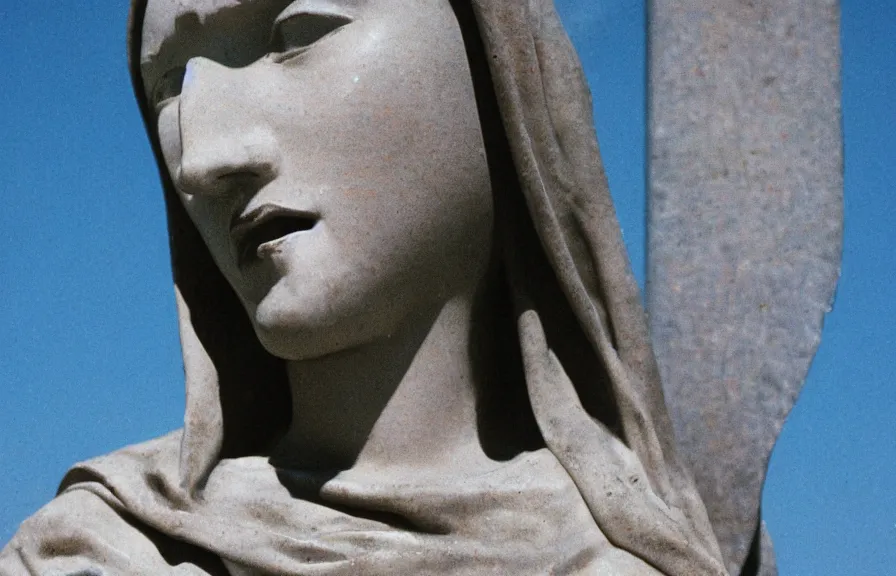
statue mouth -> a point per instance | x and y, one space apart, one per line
255 230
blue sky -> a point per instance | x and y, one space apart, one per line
91 358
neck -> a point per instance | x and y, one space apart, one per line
405 401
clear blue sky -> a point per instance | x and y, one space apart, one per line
91 359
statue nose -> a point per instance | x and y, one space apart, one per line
224 140
216 166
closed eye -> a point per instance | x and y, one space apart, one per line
296 33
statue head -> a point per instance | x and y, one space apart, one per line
331 167
331 158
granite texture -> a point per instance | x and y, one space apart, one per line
745 229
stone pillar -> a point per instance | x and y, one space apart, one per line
744 231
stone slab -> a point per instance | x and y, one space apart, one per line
745 183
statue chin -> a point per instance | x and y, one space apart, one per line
304 316
294 335
294 329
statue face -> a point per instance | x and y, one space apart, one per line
330 154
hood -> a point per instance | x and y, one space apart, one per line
581 342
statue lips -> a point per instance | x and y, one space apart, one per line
261 226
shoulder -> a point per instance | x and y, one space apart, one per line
78 532
158 456
86 529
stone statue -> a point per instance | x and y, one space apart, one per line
411 338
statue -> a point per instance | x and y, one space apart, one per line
472 387
411 338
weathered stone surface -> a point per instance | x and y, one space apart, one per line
745 224
412 341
